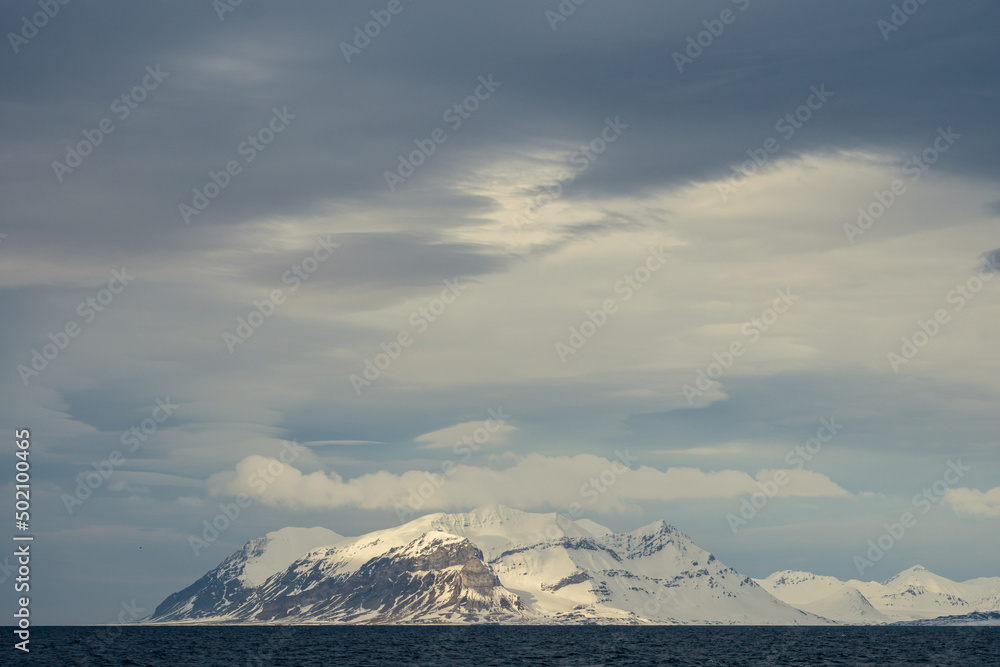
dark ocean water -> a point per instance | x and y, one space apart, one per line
506 645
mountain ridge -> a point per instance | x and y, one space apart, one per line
914 594
497 564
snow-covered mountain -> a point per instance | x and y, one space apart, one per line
494 564
500 565
433 577
847 605
912 594
990 603
238 575
583 572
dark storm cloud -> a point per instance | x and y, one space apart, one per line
354 119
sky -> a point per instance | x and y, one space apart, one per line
724 263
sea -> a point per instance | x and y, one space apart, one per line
482 645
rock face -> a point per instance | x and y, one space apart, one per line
477 576
437 576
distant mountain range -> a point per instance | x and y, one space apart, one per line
501 565
912 595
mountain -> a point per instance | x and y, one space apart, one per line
239 574
846 606
436 577
988 604
491 565
501 565
797 588
913 594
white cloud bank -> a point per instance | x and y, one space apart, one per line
533 481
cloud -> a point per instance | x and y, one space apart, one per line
125 479
343 443
724 449
991 261
973 502
468 433
530 482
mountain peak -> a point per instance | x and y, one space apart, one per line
293 532
918 571
784 577
486 515
432 540
657 526
497 510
